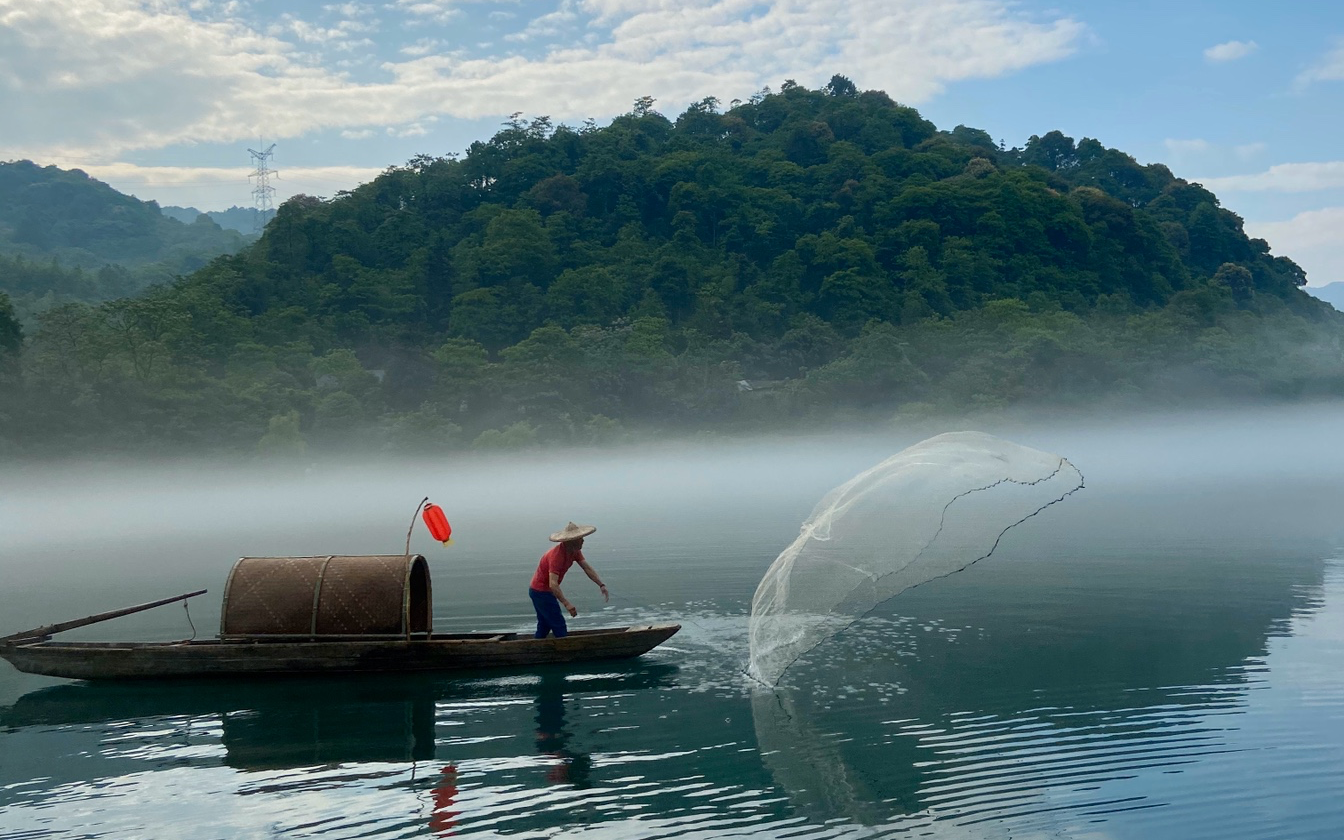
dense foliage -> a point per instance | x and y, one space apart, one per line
805 254
65 236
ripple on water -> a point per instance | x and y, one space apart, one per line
958 724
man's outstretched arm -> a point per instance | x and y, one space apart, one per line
592 575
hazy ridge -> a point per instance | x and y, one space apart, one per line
1331 293
67 237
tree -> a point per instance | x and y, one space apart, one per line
1236 279
841 86
559 193
496 317
520 435
589 295
1054 151
11 332
283 438
514 246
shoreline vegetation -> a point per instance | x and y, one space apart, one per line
800 259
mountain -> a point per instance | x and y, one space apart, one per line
241 219
804 256
1331 293
64 233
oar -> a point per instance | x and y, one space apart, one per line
43 632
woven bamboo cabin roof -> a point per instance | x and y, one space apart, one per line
380 595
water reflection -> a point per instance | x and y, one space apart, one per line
984 697
443 819
266 725
554 736
261 725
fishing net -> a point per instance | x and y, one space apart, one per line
928 511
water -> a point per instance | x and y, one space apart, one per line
1162 657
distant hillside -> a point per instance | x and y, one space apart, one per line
92 231
241 219
806 255
1331 293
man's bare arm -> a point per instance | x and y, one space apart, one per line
592 575
560 596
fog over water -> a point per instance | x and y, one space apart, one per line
1092 656
85 535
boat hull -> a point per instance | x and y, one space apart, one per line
157 660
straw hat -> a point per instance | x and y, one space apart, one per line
572 532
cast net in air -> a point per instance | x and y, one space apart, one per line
926 512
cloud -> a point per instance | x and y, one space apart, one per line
96 78
1283 178
548 25
412 130
1311 239
348 10
177 176
344 35
437 11
1330 67
423 46
220 186
1230 51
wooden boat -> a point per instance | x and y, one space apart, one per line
318 615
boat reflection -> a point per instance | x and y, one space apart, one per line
276 724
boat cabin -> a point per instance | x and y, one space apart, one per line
369 596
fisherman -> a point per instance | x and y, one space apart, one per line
547 598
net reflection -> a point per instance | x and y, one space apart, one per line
1002 690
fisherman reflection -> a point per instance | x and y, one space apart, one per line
553 735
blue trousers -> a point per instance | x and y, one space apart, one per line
550 618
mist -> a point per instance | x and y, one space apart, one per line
90 536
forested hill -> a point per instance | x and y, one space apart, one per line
834 204
69 236
804 254
242 219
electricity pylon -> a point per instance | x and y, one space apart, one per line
263 194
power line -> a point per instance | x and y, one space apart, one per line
263 193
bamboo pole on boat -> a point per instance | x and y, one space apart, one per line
48 630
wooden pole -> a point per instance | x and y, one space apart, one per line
42 632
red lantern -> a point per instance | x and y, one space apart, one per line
437 523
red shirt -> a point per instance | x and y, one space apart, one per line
554 562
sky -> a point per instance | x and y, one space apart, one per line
164 99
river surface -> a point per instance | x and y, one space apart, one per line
1162 656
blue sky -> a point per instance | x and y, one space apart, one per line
162 98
